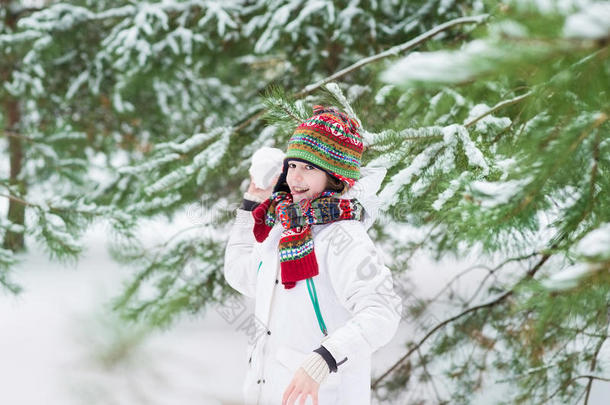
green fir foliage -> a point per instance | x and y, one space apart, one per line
494 133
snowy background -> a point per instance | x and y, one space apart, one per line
59 340
61 345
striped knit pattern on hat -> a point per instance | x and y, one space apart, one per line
329 139
296 248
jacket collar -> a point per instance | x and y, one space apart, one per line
365 191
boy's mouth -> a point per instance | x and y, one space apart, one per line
299 190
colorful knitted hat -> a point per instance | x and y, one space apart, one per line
330 140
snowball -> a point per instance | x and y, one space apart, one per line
266 164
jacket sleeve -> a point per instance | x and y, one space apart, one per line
241 255
365 287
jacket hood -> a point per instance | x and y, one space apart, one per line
365 191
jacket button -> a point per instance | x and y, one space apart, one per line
276 281
258 382
250 360
263 381
268 332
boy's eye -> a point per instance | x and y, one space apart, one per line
307 167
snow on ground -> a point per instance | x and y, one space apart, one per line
60 346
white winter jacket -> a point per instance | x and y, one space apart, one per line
355 294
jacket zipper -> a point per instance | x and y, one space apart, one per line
313 296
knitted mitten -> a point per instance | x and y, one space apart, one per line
315 366
261 229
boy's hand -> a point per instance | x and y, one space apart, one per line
261 193
302 385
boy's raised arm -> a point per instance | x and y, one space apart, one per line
241 255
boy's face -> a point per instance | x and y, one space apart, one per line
305 180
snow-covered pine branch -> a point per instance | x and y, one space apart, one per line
437 156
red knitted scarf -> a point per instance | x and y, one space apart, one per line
296 249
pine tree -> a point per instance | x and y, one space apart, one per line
124 110
494 136
508 160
